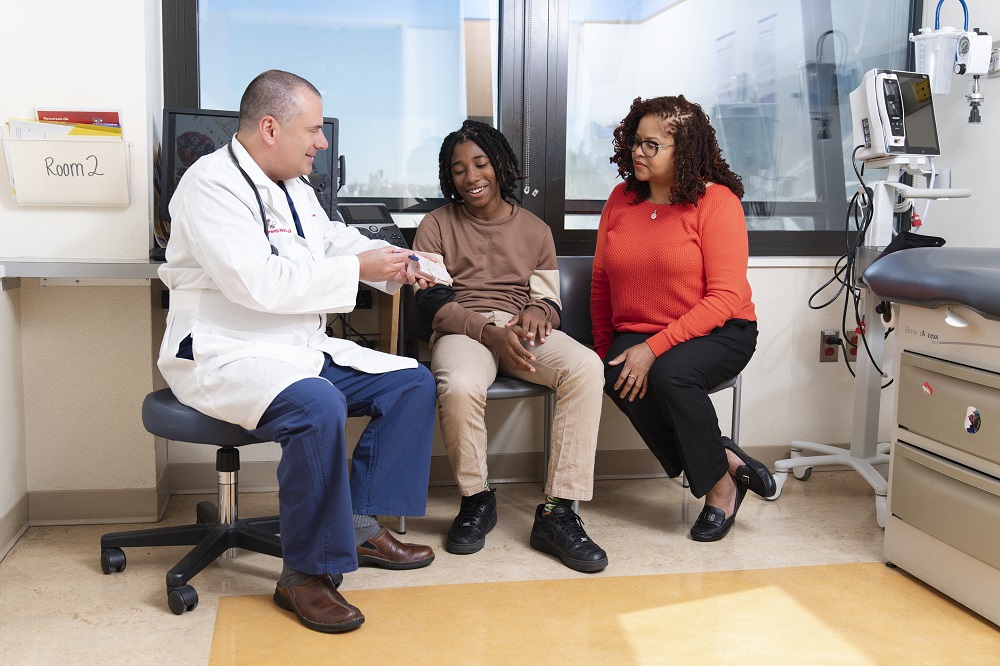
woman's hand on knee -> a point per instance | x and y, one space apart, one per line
634 377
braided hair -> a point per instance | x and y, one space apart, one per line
697 156
497 150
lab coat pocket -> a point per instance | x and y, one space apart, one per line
216 346
254 336
179 325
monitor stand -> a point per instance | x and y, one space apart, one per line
866 452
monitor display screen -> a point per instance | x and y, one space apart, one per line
918 114
192 133
368 213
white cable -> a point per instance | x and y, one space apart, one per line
930 186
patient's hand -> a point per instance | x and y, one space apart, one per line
508 347
531 325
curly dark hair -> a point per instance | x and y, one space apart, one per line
498 151
697 157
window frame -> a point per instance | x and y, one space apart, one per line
534 37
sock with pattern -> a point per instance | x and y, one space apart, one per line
365 527
290 576
551 503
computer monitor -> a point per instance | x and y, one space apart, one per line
192 133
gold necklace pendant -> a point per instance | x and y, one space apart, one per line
653 216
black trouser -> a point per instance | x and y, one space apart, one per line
676 418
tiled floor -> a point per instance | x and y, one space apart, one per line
57 607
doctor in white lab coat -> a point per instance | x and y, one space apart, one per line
246 343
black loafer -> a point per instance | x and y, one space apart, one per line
753 473
712 524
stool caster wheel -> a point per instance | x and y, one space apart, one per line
800 473
182 599
880 509
112 560
207 513
780 476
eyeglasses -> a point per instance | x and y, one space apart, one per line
649 148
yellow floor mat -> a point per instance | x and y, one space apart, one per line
836 614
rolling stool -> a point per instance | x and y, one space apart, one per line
218 528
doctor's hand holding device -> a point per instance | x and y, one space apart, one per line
425 268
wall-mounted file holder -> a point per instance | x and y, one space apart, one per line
70 171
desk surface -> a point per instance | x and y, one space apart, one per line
18 267
22 267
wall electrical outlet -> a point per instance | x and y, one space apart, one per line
829 346
852 347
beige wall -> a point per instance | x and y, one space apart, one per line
13 480
86 357
83 55
63 419
13 468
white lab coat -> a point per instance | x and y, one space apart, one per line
257 320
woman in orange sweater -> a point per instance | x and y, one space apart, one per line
671 304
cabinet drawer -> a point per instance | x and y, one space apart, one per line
951 403
950 502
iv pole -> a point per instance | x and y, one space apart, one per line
865 451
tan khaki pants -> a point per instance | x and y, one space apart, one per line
464 369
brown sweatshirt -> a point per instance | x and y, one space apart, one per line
504 265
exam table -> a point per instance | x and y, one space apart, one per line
943 523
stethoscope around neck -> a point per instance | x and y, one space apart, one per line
256 193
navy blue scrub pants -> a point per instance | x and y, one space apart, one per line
389 469
676 418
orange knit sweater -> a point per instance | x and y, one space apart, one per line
678 276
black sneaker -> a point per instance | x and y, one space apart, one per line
561 533
476 518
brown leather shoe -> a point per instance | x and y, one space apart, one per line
318 605
383 550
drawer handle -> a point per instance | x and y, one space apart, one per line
953 319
